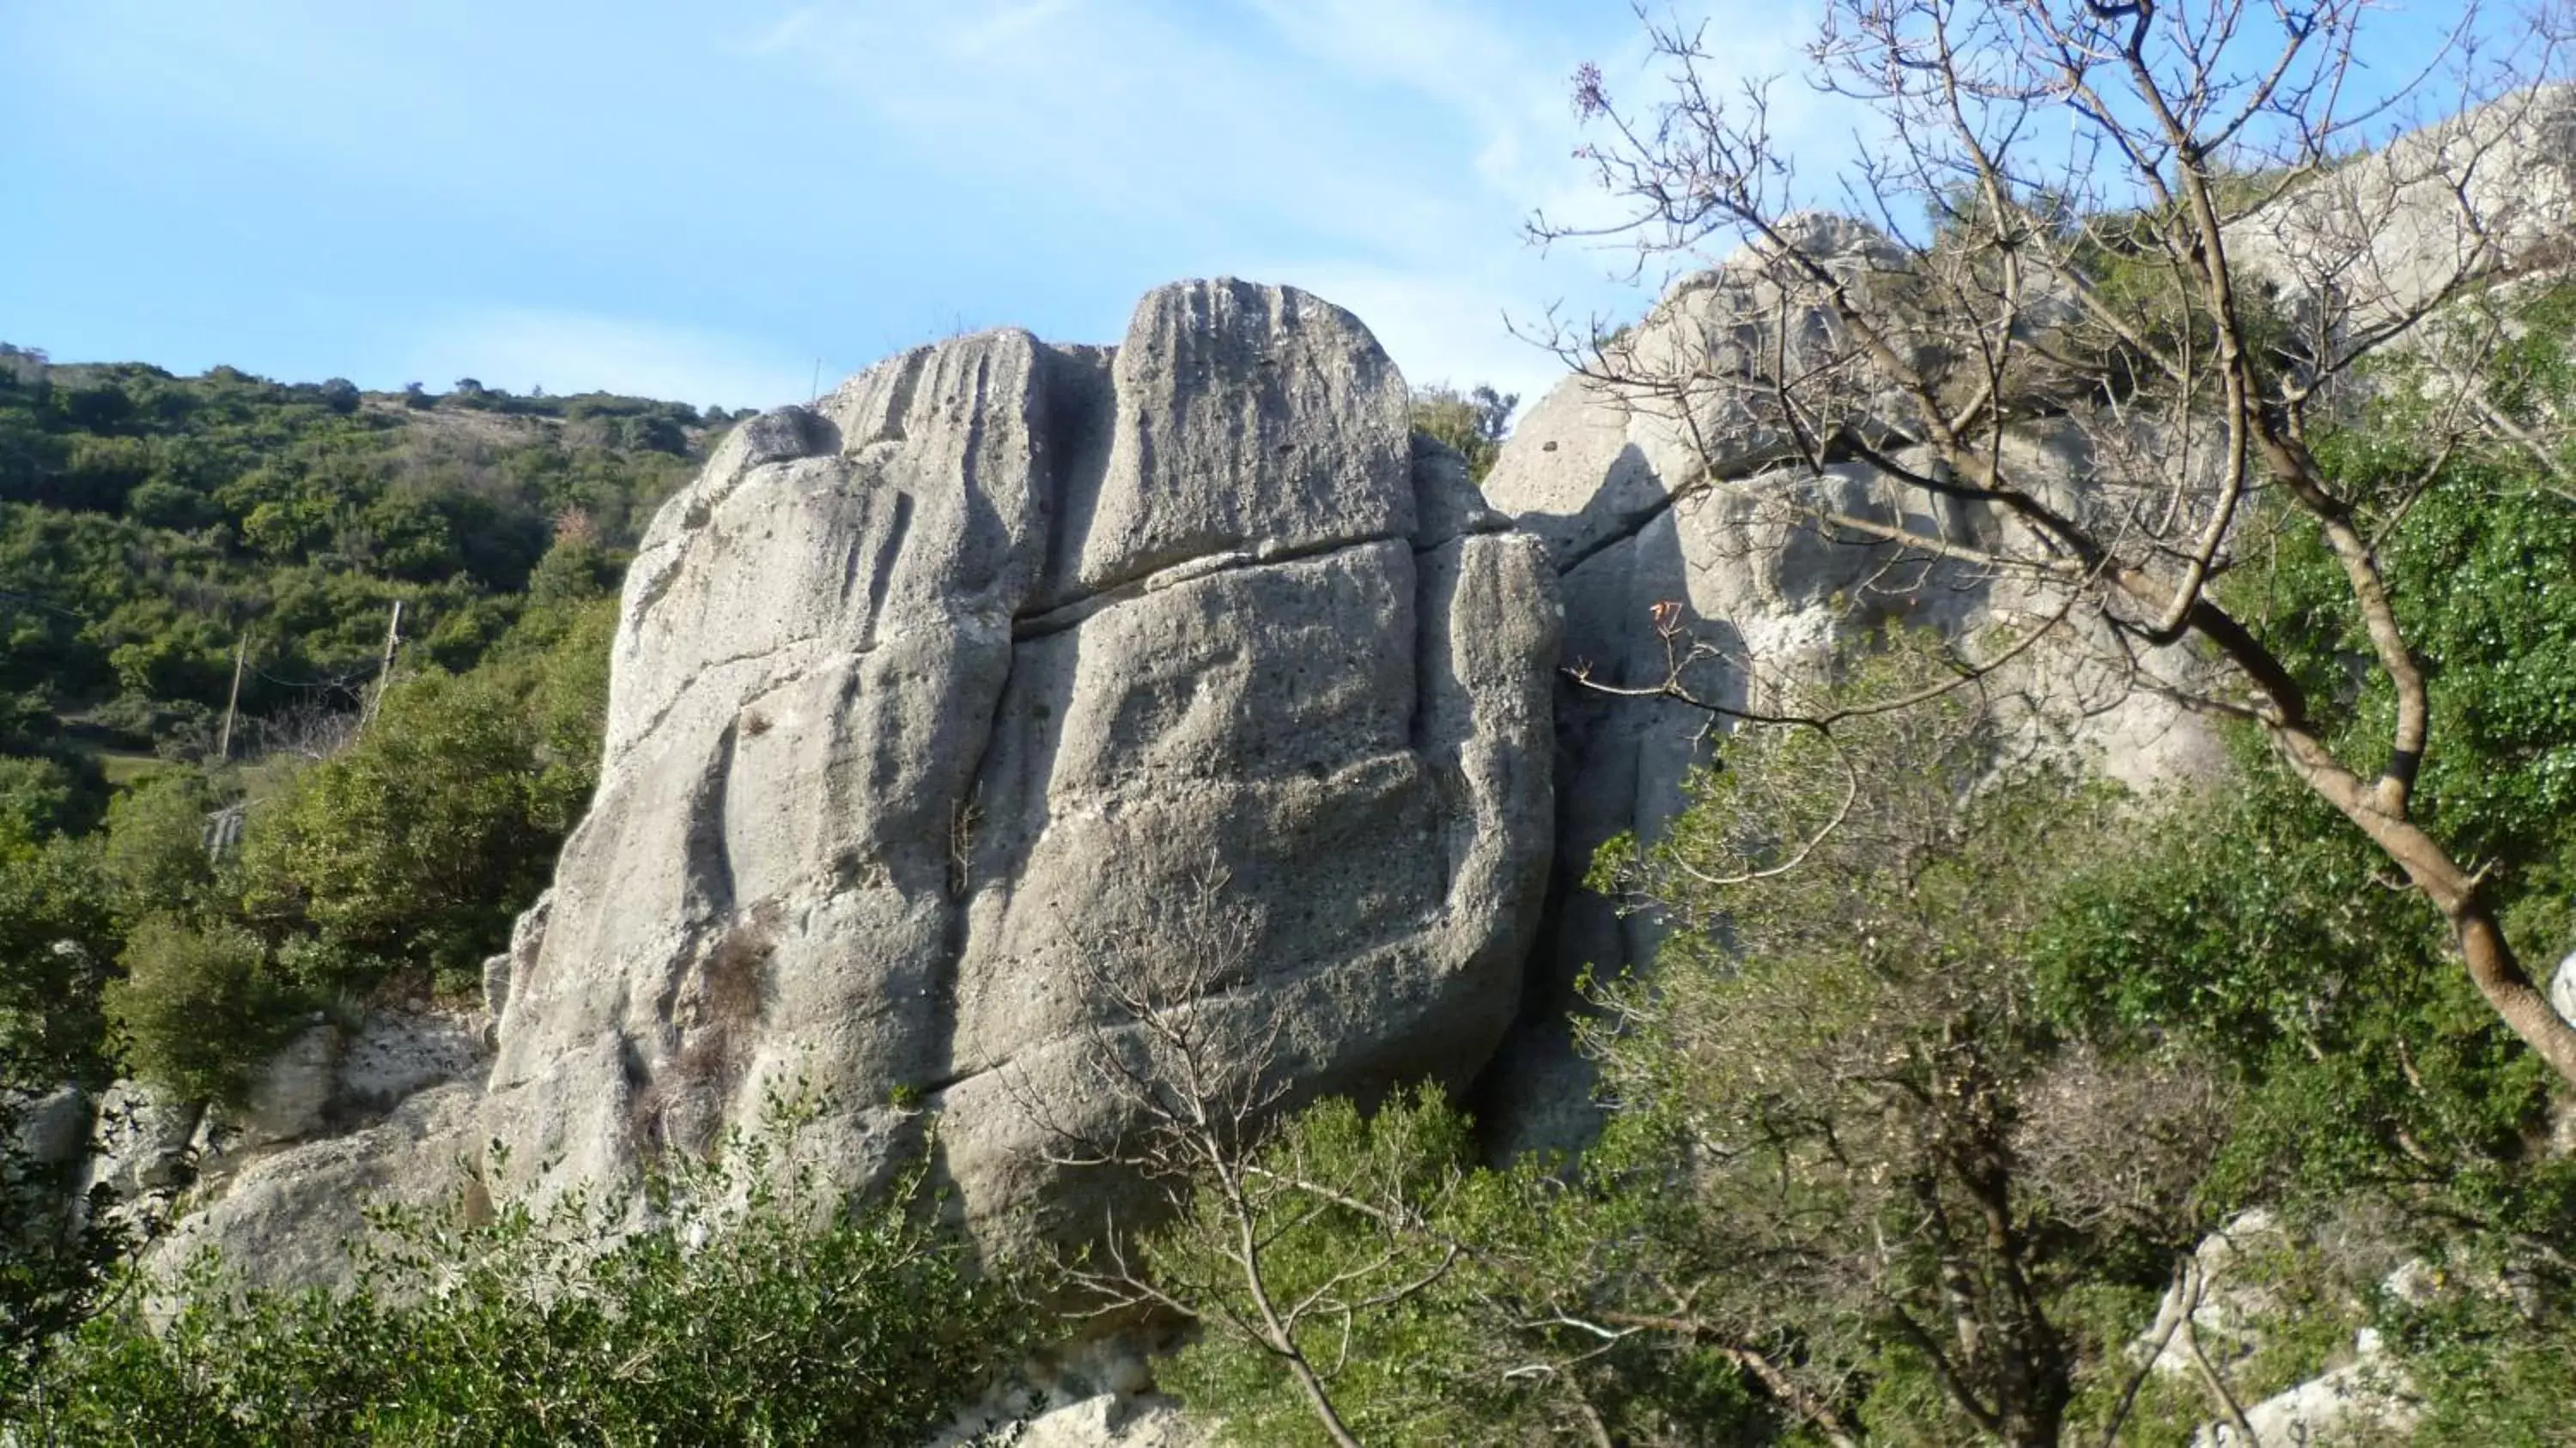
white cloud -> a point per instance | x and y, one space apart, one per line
1386 154
563 352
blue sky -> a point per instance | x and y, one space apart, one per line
706 200
703 200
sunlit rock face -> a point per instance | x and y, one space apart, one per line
936 705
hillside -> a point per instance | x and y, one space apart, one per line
153 527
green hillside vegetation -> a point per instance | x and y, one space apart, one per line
160 536
151 526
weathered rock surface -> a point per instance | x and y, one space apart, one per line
2366 1400
933 701
2491 189
291 1096
140 1142
52 1129
342 1118
1647 498
396 1053
285 1219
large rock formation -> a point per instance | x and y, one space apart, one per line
1649 496
2492 189
938 702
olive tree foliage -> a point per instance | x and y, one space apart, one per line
2067 382
1474 422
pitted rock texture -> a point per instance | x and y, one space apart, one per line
931 700
289 1218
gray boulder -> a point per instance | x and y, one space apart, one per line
337 1122
400 1051
141 1142
52 1129
289 1098
933 702
2491 190
288 1218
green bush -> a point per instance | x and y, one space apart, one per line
155 852
416 848
1439 1302
725 1304
40 796
57 936
198 1008
1473 422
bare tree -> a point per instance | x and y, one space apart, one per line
1181 1094
1299 1243
2047 346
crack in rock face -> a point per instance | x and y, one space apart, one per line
937 704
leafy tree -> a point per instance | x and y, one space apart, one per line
197 1008
38 796
1881 1169
416 847
57 938
1473 422
1437 1301
155 855
2189 150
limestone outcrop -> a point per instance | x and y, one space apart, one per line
933 701
1649 497
2492 189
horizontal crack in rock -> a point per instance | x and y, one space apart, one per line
1067 615
1742 469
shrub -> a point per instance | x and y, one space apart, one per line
56 937
198 1008
155 857
714 1307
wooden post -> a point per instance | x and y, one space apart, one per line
385 667
232 701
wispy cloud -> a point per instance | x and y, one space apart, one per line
783 32
1386 153
839 176
520 349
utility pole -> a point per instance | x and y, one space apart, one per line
232 701
385 667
